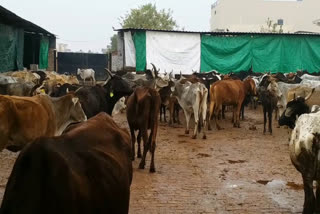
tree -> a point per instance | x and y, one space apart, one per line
147 16
271 27
113 44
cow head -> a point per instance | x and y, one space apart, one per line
273 87
77 114
294 109
78 71
116 87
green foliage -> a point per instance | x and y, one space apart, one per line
147 16
113 44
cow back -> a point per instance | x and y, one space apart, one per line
86 170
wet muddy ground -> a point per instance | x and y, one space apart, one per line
235 170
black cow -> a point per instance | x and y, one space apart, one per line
86 170
95 99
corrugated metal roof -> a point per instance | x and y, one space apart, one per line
9 18
218 33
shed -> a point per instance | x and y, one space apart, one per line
24 43
190 51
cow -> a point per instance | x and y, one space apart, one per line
119 106
95 99
311 83
7 79
86 170
269 101
295 107
304 91
310 77
23 119
17 89
142 114
192 97
280 89
229 92
61 90
304 147
86 74
174 108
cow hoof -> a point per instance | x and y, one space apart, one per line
278 126
209 128
194 136
152 170
204 137
141 166
186 131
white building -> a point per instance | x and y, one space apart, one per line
63 48
252 15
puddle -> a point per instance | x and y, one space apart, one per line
203 155
236 161
295 186
280 183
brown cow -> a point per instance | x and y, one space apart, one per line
229 92
142 114
23 119
86 170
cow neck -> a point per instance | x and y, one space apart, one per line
179 88
247 86
61 107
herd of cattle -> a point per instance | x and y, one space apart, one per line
76 159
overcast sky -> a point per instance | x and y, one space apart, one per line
87 24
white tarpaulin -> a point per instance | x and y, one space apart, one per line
130 51
173 51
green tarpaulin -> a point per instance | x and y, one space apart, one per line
274 53
44 51
11 48
225 54
139 39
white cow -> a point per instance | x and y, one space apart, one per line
310 77
193 100
119 106
85 74
311 83
304 150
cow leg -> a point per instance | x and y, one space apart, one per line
264 119
223 110
145 148
133 141
318 197
139 144
216 112
93 81
164 113
188 116
211 109
152 144
160 112
204 119
242 111
309 199
177 109
196 121
270 120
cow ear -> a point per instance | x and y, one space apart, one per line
75 100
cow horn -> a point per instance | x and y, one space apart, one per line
155 70
180 75
109 72
308 97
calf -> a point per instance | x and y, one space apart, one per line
142 114
86 74
193 100
86 170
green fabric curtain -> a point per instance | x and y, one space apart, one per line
44 52
225 54
11 48
274 53
139 39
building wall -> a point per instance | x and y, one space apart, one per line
251 15
118 57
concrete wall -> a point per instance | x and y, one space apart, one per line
251 15
118 57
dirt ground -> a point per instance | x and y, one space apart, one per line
235 170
